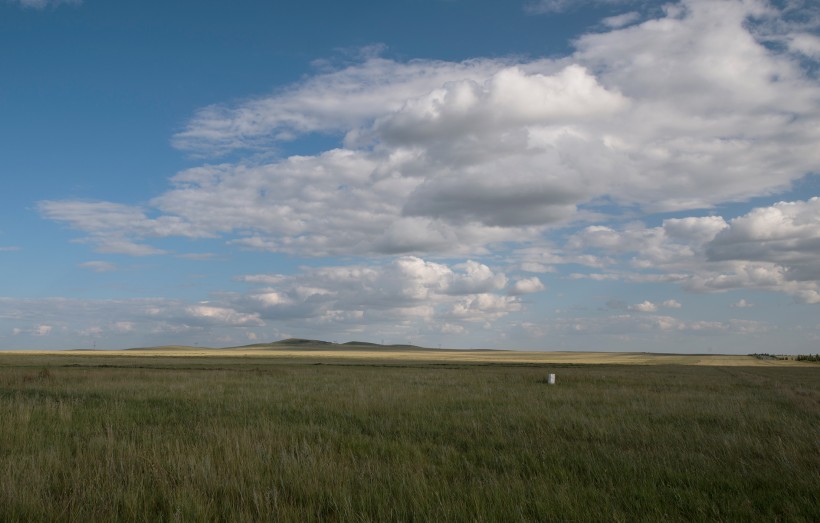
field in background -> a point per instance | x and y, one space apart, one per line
326 433
358 352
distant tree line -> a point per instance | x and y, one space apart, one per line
799 357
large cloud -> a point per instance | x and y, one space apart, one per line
407 288
776 246
683 111
113 227
408 296
787 233
717 116
330 102
773 248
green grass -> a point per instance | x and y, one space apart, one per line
146 439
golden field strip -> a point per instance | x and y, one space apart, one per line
433 356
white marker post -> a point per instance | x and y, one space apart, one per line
551 379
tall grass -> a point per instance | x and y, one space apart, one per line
234 442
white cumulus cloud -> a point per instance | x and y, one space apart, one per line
222 315
774 248
645 306
527 286
427 294
681 110
685 110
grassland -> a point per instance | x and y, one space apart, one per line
249 435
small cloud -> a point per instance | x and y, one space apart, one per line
42 4
527 286
197 256
12 248
117 246
646 306
593 276
536 267
264 279
272 299
741 304
99 266
623 20
42 330
222 315
539 7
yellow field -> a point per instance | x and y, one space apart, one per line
432 356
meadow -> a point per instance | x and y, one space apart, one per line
146 437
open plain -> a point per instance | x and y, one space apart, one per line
310 431
307 351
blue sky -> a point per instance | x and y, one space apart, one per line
618 175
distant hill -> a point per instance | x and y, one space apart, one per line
288 343
370 345
301 341
306 344
167 348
